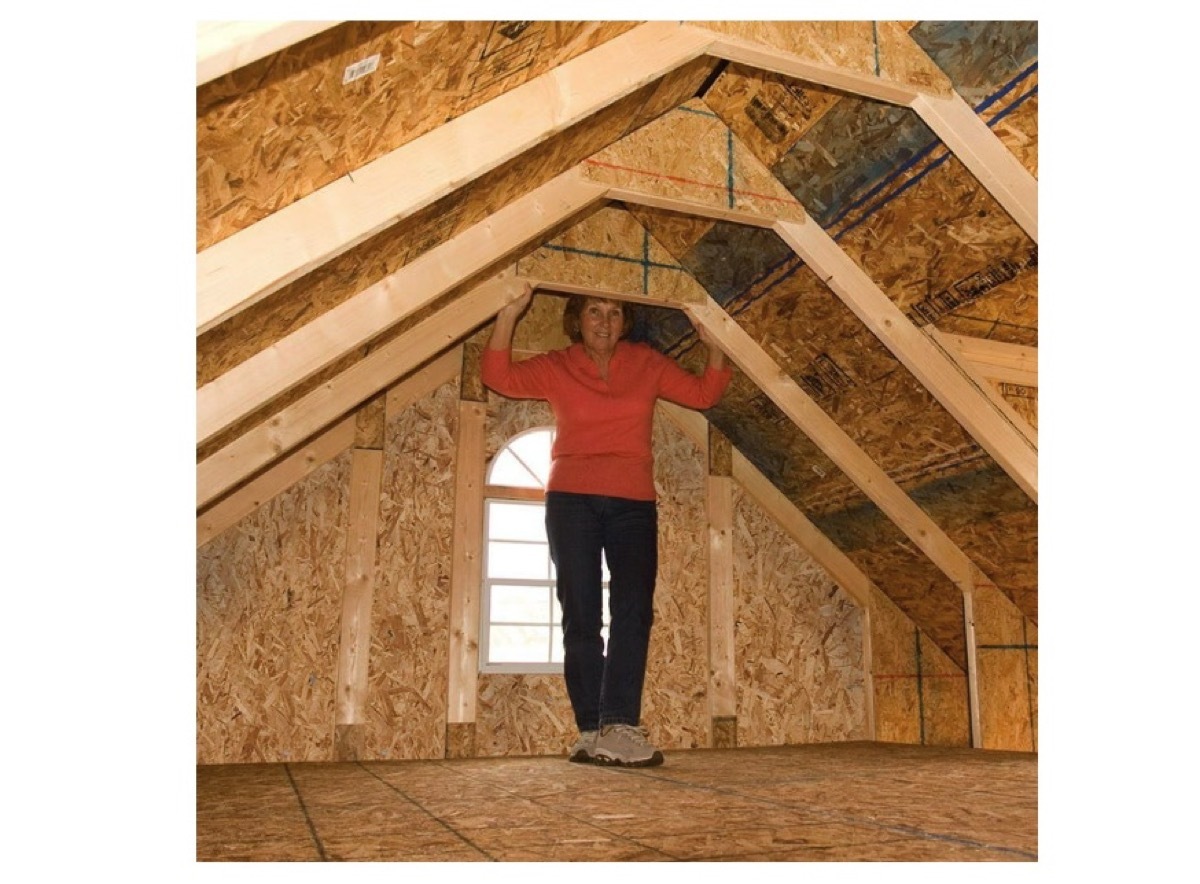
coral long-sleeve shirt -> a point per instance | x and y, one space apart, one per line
602 442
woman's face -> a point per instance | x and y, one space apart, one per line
600 324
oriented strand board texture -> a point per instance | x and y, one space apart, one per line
920 695
268 611
609 250
771 110
274 131
799 641
1007 650
706 164
405 713
881 49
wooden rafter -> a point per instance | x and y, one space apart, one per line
274 481
250 385
224 46
984 155
288 428
958 394
248 266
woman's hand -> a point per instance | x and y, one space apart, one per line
513 309
506 319
716 356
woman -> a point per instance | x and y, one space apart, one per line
600 497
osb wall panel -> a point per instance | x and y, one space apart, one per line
880 49
1006 655
280 128
799 641
920 695
675 704
405 706
268 611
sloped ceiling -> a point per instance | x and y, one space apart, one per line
339 220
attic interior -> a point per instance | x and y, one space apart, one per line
848 540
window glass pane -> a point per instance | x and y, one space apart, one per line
507 470
534 451
520 561
518 644
520 604
516 521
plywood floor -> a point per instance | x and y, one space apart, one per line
836 802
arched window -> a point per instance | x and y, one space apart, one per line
521 629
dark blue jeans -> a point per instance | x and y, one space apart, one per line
605 687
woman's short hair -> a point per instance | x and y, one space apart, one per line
574 310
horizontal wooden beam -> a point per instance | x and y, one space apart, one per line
224 46
250 385
251 264
552 286
272 439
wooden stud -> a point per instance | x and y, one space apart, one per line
722 668
366 472
471 388
466 575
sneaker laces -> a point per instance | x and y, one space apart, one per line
633 733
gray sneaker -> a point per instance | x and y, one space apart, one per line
625 746
584 750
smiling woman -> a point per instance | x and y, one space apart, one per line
601 502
